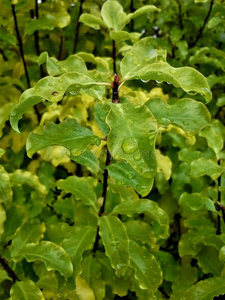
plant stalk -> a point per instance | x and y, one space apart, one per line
20 44
77 27
10 272
203 26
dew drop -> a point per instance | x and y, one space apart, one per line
185 123
13 113
159 73
169 113
114 243
130 145
120 266
137 155
165 121
50 84
145 81
37 90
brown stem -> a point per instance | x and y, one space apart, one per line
203 26
180 15
114 56
115 99
77 27
20 44
10 272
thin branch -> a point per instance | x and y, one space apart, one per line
218 232
180 15
3 55
10 272
203 26
114 56
60 47
77 27
20 44
115 99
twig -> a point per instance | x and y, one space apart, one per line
203 26
10 272
114 56
77 27
115 99
180 15
20 44
3 55
220 207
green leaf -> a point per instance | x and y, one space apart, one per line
179 114
4 275
24 290
88 159
206 289
82 188
83 290
146 267
22 177
132 137
204 166
214 134
189 79
2 219
53 256
222 254
170 268
142 53
92 21
52 89
8 38
90 266
124 174
47 22
31 231
115 241
194 202
141 232
119 36
69 134
148 207
80 239
119 285
5 187
113 15
140 11
56 68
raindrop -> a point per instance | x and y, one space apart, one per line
73 93
145 81
114 243
130 145
135 62
159 73
165 121
120 266
185 123
50 84
169 113
137 155
37 90
13 113
137 106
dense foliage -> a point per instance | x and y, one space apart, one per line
112 186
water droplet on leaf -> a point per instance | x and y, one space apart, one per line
185 123
137 155
130 145
165 121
